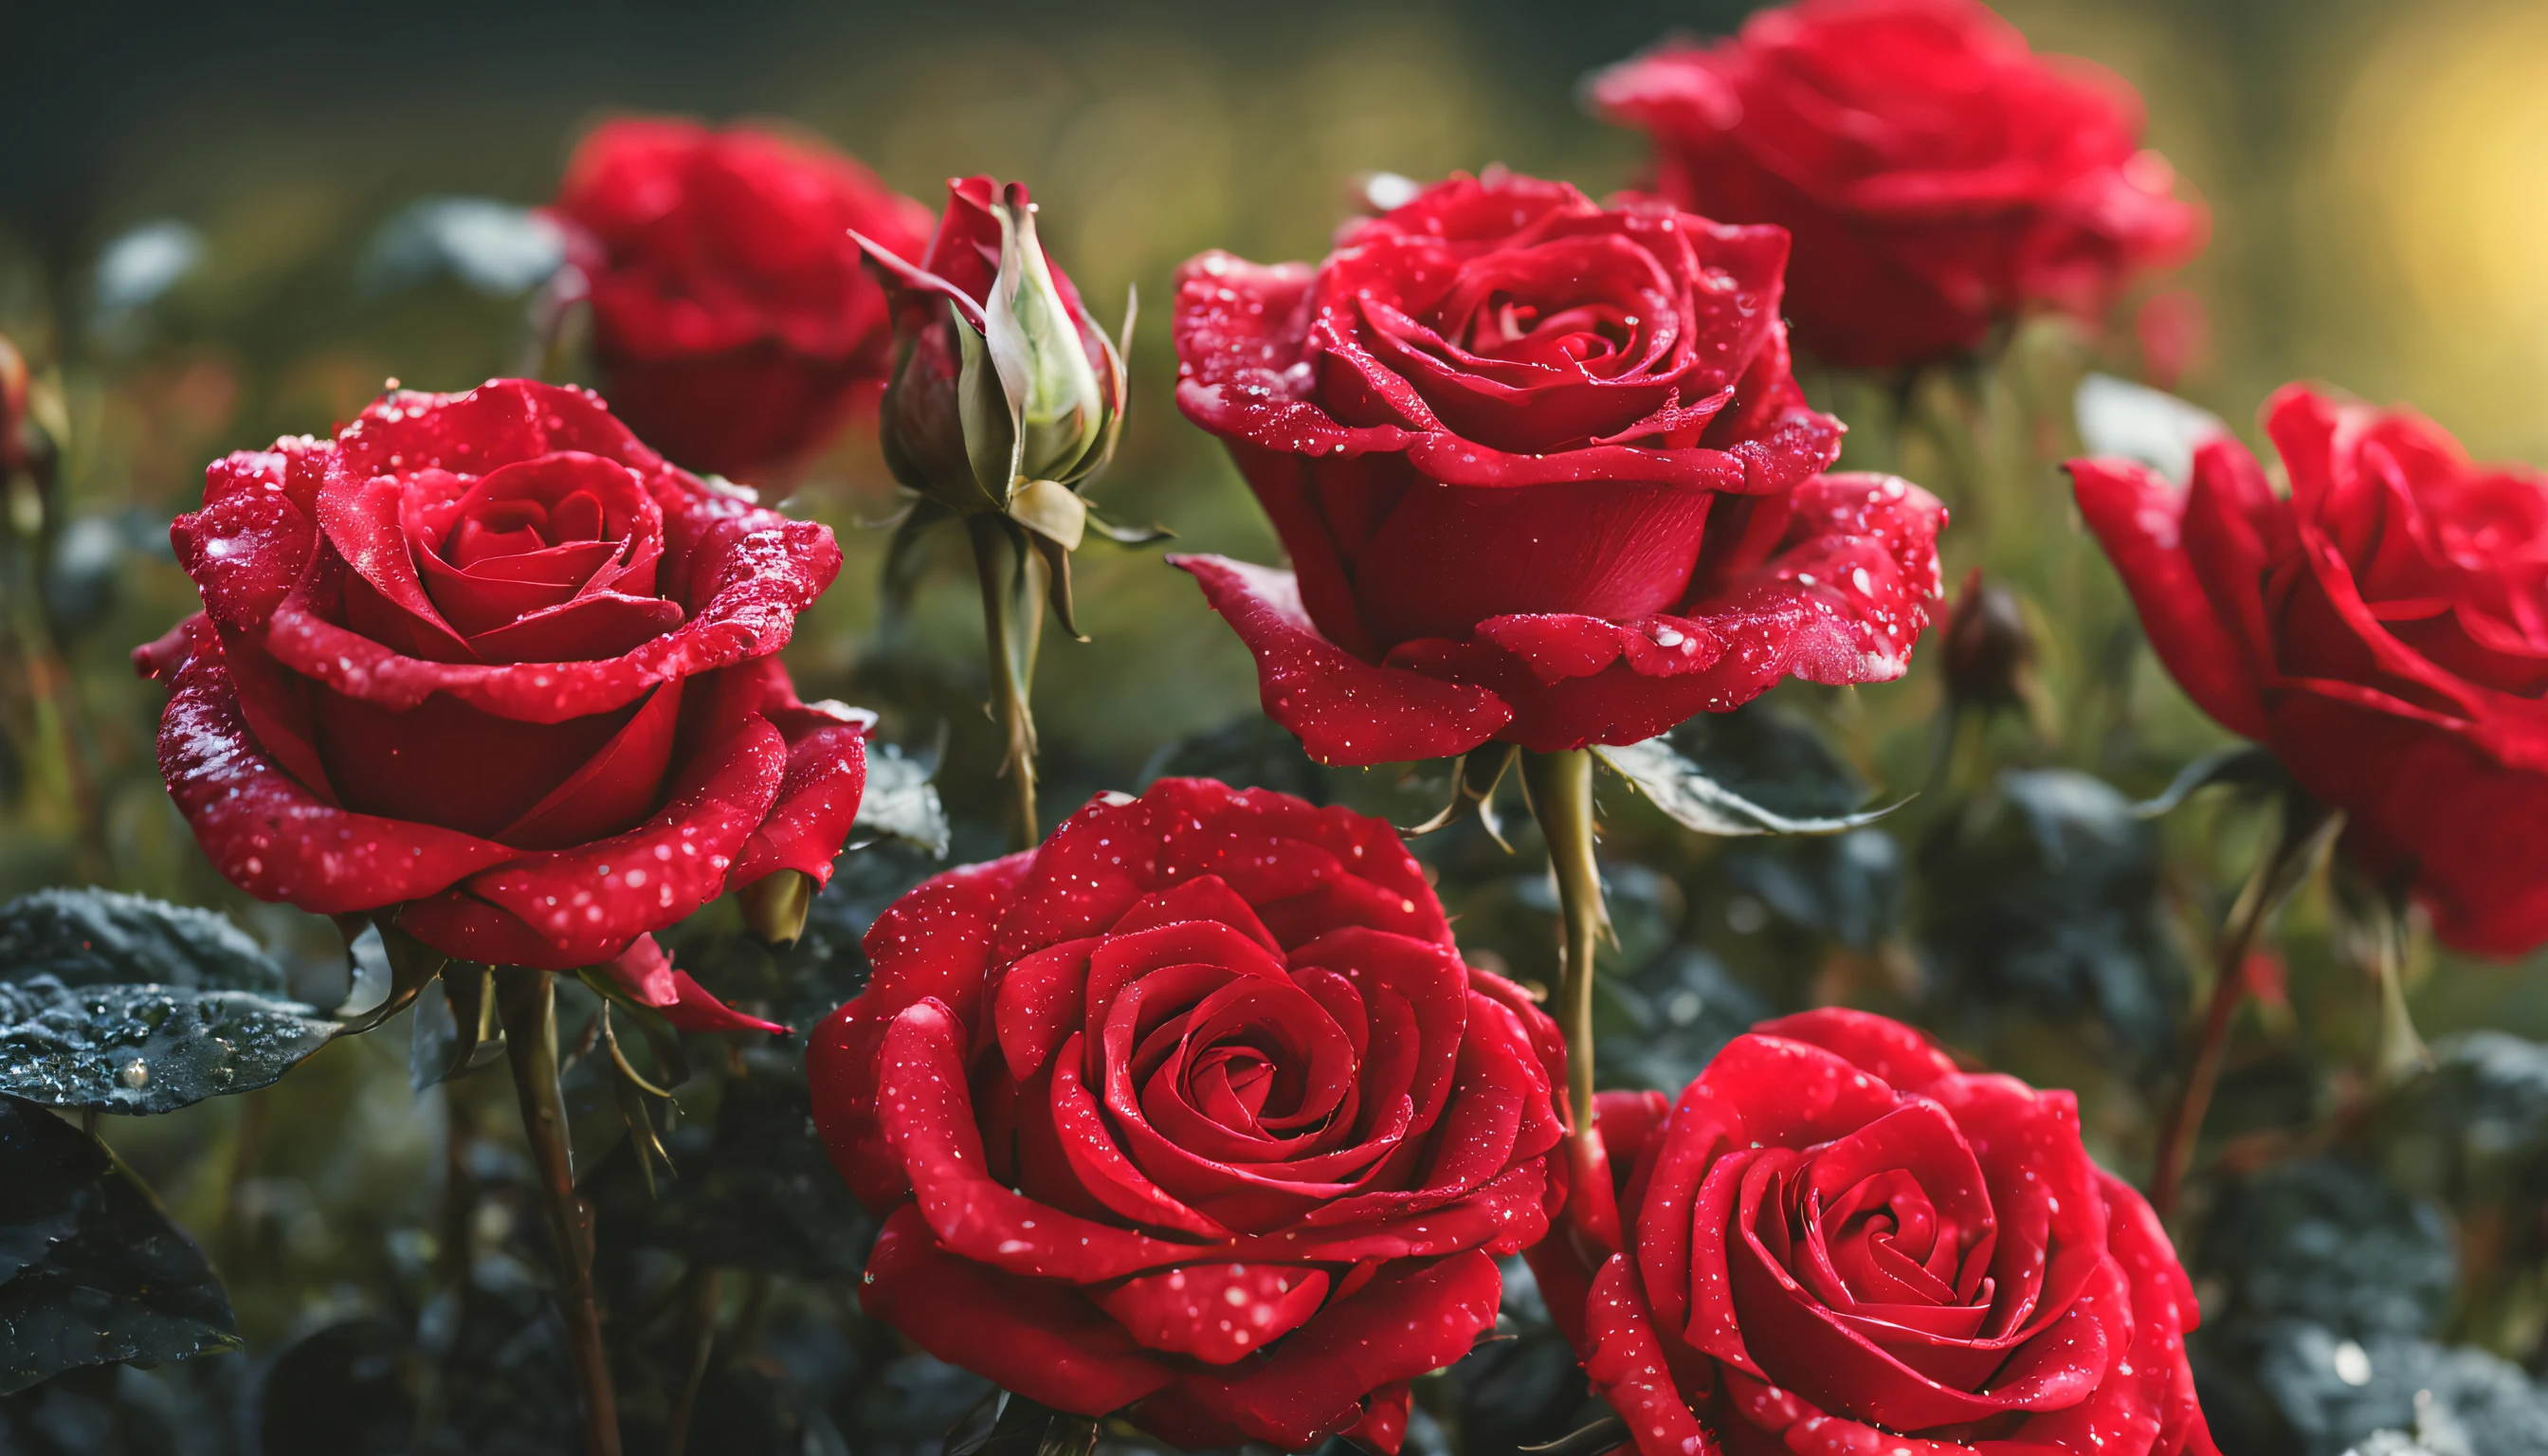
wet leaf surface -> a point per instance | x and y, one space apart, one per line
94 1270
120 1002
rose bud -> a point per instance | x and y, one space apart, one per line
1005 393
1544 475
734 325
1193 1114
1005 397
1840 1242
488 668
1989 653
2383 629
1936 175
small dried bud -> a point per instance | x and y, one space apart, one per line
1990 653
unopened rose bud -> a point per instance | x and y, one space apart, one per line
774 906
1990 651
1005 393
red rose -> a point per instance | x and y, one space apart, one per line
1543 475
730 313
488 656
1936 175
2383 630
1193 1110
1840 1244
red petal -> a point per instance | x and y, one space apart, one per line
565 908
1038 1338
1217 1313
2135 515
1412 1318
1343 709
273 838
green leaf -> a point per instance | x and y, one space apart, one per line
94 937
2246 766
1713 773
91 1269
119 1002
900 801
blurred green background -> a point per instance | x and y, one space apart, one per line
2378 177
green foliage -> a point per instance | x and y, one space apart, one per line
91 1270
114 1001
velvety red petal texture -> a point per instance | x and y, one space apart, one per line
487 662
1543 475
1936 174
2384 629
1839 1242
1844 592
1193 1113
648 974
729 307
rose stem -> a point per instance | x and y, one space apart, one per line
1561 796
1011 638
526 1000
698 1327
2281 863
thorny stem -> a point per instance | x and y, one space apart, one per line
2229 988
1011 576
1561 796
2282 863
528 1002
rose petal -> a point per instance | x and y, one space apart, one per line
273 838
1216 1312
2136 514
1038 1338
564 908
1410 1319
1344 710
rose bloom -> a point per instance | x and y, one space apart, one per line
1936 175
2383 629
1543 475
487 657
730 314
1193 1113
1840 1244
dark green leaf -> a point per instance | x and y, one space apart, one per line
2330 1241
1661 1026
340 1390
146 1049
96 1271
2246 766
2046 892
2335 1394
94 937
1846 887
1751 771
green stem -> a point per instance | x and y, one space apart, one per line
528 1002
1561 796
1010 574
2289 852
2184 1119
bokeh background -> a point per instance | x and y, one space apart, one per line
2377 178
